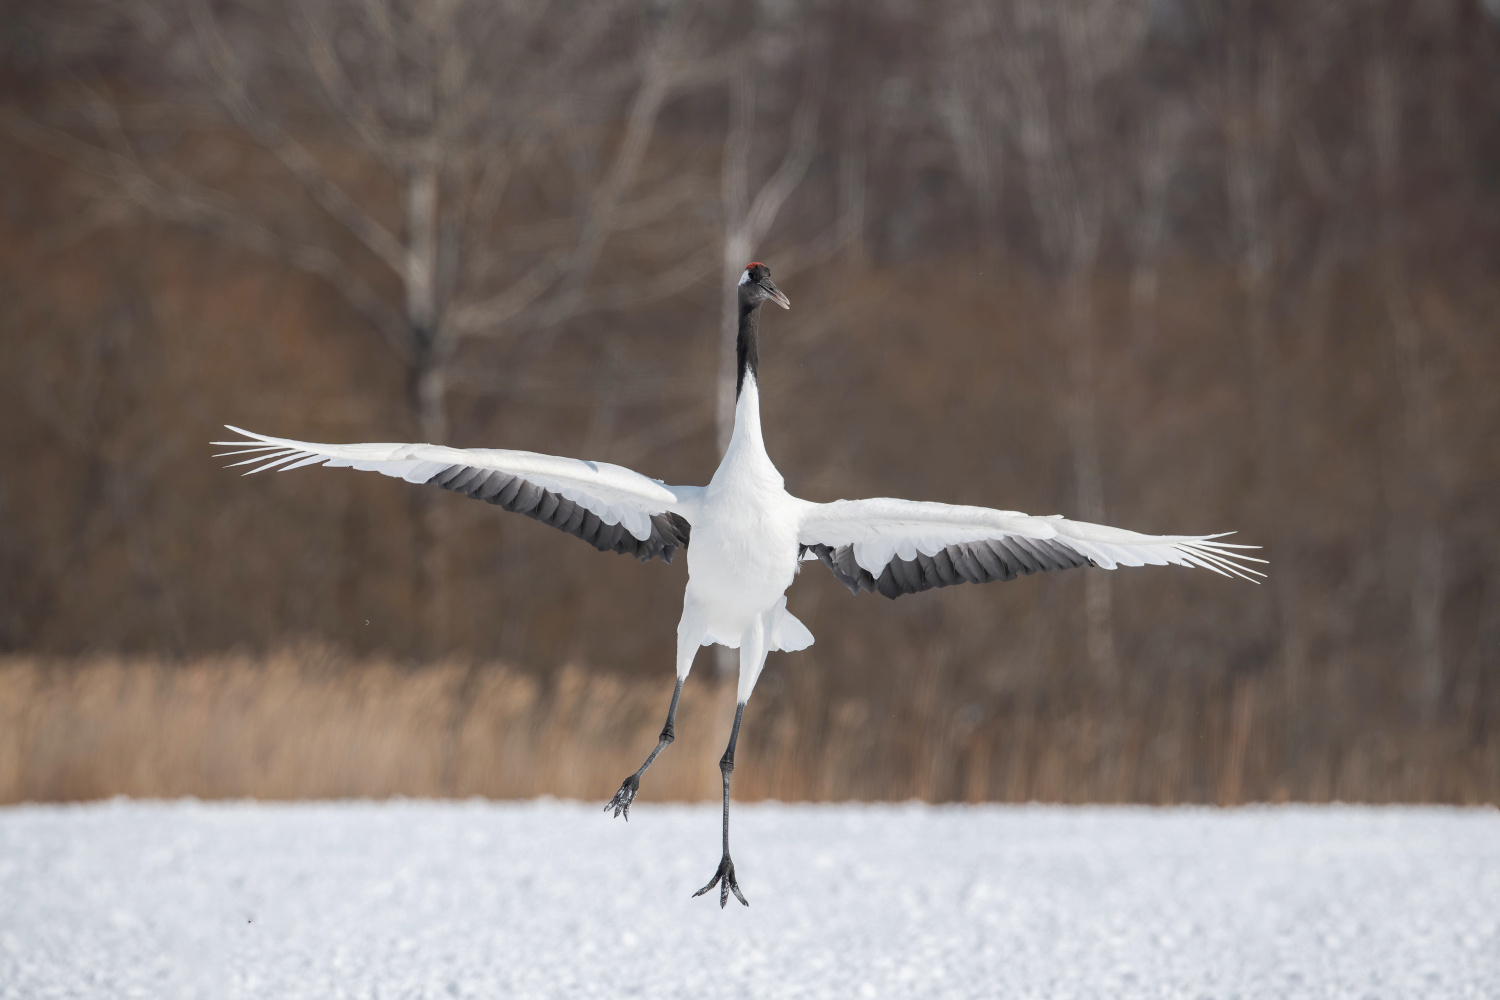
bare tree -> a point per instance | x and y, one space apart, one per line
85 385
1158 157
1383 85
442 105
971 100
1252 105
1062 140
1257 105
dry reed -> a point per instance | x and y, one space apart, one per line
307 723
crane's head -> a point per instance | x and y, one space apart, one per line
756 286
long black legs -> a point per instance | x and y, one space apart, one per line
724 877
626 795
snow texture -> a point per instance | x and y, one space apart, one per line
553 899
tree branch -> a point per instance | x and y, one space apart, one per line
775 192
232 92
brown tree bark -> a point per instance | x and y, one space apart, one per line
1420 529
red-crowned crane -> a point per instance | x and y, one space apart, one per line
748 534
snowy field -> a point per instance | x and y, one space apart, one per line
553 899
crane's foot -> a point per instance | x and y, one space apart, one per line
725 880
626 795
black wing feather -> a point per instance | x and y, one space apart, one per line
669 531
983 561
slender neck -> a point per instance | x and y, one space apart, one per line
745 443
747 347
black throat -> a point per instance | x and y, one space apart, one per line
747 346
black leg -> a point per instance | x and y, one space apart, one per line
626 795
724 877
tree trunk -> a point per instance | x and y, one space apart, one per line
1088 474
420 277
1253 137
1270 444
429 401
1383 81
431 514
1428 573
1155 165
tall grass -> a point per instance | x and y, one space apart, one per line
307 723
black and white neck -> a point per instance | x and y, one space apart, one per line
747 345
755 288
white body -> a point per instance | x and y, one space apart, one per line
743 555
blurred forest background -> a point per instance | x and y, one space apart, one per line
1175 265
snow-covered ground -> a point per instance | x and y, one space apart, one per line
554 899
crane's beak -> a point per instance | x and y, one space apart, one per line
775 293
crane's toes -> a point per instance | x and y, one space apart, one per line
626 795
725 880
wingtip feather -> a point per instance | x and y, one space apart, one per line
253 459
1208 554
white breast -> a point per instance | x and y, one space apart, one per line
743 554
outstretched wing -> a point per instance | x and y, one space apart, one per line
608 506
897 547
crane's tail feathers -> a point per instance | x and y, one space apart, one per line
787 633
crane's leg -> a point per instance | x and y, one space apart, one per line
752 659
724 877
689 638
